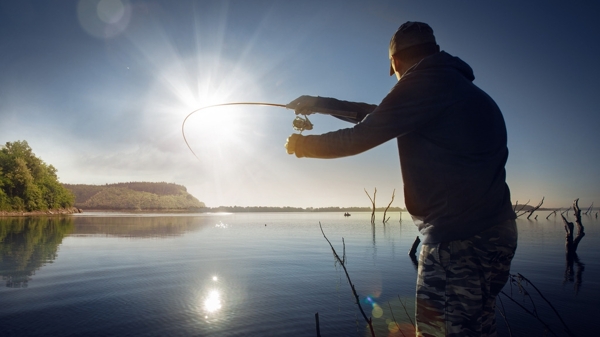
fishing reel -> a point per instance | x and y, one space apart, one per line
301 123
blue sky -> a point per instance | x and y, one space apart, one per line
99 89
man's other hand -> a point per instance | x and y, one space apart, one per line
290 144
303 105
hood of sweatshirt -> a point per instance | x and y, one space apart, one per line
443 59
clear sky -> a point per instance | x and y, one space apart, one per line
99 89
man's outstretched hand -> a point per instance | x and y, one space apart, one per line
303 105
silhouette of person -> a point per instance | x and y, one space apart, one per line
451 140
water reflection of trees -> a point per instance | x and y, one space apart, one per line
140 227
27 244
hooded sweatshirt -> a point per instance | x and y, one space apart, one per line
451 141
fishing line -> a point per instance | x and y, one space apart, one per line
300 123
217 105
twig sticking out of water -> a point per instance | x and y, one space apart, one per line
337 257
571 244
522 206
388 206
317 324
589 209
395 321
554 212
522 210
518 279
503 314
406 312
535 315
373 203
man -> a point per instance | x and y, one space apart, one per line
452 144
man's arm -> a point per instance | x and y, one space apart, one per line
306 105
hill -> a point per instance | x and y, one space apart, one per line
138 196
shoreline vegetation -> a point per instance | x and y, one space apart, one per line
28 184
48 212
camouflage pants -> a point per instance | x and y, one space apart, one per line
458 282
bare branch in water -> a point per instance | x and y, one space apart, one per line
554 212
546 326
503 314
395 321
373 203
337 257
388 206
406 312
571 244
517 211
535 208
522 210
519 279
589 209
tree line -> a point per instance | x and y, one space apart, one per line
27 183
239 209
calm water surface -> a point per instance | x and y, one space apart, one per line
255 274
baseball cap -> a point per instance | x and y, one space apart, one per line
410 33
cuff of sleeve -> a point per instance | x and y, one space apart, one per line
298 150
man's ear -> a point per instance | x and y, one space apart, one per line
397 64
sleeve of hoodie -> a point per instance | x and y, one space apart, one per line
415 100
361 109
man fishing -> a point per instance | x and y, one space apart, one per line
452 145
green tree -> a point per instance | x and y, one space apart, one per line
27 183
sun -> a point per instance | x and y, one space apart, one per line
214 124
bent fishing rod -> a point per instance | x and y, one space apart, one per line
300 123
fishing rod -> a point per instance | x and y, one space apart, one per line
300 123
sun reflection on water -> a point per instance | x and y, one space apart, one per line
213 302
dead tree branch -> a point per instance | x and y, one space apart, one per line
571 244
502 312
589 209
522 281
395 321
406 312
534 314
522 207
554 212
373 203
535 208
388 206
522 210
337 257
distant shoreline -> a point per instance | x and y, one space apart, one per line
221 209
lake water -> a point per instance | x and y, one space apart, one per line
256 274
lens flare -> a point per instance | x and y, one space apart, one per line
110 11
104 18
377 311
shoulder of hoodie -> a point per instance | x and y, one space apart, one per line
440 62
